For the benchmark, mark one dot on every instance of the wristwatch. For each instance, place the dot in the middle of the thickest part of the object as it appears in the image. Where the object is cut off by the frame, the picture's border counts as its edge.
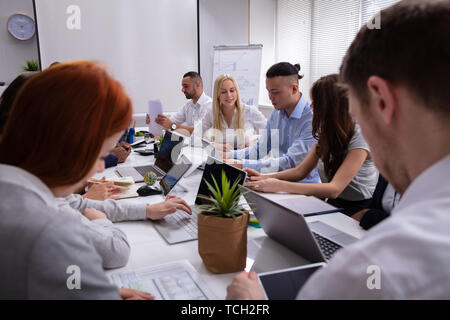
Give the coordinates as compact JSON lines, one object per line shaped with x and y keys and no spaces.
{"x":173,"y":127}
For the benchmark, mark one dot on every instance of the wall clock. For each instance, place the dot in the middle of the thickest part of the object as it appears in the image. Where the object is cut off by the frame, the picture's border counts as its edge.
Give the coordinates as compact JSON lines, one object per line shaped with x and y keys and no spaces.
{"x":21,"y":26}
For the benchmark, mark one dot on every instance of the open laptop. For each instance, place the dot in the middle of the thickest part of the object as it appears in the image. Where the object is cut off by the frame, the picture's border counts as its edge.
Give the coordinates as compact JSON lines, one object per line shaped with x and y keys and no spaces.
{"x":181,"y":227}
{"x":170,"y":150}
{"x":315,"y":241}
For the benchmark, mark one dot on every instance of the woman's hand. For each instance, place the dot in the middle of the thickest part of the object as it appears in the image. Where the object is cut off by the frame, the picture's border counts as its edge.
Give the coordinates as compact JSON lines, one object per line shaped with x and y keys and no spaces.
{"x":265,"y":185}
{"x":101,"y":191}
{"x":252,"y":172}
{"x":170,"y":205}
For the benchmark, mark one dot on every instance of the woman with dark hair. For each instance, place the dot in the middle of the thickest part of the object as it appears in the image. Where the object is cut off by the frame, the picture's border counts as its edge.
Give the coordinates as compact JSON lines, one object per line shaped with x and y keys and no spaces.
{"x":76,"y":111}
{"x":7,"y":97}
{"x":341,"y":155}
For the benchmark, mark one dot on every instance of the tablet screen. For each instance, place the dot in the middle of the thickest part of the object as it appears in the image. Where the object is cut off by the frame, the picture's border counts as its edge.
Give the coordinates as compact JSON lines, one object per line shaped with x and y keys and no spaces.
{"x":285,"y":284}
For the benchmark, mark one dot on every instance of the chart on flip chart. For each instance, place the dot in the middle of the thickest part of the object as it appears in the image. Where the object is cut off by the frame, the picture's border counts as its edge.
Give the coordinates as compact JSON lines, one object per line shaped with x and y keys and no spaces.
{"x":243,"y":62}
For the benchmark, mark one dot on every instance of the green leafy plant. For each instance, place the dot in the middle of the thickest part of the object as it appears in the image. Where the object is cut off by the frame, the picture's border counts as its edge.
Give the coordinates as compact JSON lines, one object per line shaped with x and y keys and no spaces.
{"x":160,"y":139}
{"x":224,"y":201}
{"x":31,"y":65}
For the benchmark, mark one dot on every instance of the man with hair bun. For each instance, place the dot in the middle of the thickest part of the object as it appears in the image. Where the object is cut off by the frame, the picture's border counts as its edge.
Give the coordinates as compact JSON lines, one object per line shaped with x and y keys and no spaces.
{"x":288,"y":132}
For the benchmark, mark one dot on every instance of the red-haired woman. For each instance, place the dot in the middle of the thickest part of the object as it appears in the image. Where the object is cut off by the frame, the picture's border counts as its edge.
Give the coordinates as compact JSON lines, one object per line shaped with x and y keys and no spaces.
{"x":341,"y":155}
{"x":74,"y":111}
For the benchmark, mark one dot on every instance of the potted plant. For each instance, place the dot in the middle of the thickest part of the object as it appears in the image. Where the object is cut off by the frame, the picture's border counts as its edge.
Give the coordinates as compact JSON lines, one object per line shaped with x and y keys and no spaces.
{"x":222,"y":228}
{"x":31,"y":65}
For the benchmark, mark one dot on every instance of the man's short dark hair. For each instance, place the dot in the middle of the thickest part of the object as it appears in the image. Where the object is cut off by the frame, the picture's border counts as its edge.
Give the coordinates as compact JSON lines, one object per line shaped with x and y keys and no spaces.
{"x":412,"y":48}
{"x":284,"y":69}
{"x":195,"y":76}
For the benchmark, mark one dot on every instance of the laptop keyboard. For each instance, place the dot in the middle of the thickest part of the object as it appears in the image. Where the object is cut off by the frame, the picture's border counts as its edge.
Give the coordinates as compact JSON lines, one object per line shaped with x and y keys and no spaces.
{"x":143,"y":170}
{"x":188,"y":223}
{"x":328,"y":247}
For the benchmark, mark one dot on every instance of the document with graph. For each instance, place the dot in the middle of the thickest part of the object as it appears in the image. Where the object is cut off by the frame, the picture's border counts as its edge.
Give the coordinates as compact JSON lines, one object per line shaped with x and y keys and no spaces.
{"x":171,"y":281}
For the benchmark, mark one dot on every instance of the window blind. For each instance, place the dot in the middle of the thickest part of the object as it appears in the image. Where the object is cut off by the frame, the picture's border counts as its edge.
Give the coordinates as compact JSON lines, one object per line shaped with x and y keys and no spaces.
{"x":293,"y":35}
{"x":334,"y":26}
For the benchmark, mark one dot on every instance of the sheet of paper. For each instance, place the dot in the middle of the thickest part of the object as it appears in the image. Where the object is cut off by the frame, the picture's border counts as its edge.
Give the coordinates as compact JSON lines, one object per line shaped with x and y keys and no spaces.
{"x":154,"y":108}
{"x":171,"y":281}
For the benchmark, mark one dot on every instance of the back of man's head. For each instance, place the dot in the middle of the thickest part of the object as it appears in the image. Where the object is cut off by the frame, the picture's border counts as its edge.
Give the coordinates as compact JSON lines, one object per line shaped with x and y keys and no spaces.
{"x":285,"y":69}
{"x":411,"y":49}
{"x":194,"y":76}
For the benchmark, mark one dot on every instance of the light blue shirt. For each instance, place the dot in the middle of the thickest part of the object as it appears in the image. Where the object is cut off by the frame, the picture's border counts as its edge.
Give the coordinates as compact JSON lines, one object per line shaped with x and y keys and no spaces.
{"x":289,"y":138}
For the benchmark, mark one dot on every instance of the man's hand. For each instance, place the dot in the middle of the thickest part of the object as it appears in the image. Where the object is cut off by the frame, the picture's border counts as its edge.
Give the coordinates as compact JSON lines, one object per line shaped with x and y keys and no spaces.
{"x":234,"y":163}
{"x":360,"y":214}
{"x":121,"y":153}
{"x":245,"y":286}
{"x":94,"y":214}
{"x":101,"y":191}
{"x":147,"y":119}
{"x":265,"y":185}
{"x":125,"y":145}
{"x":225,"y":147}
{"x":132,"y":294}
{"x":164,"y":121}
{"x":170,"y":205}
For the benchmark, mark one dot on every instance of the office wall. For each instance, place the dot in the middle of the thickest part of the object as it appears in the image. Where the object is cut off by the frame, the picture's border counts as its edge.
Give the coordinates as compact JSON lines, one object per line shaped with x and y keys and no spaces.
{"x":221,"y":22}
{"x":262,"y":30}
{"x":14,"y":53}
{"x":226,"y":22}
{"x":146,"y":44}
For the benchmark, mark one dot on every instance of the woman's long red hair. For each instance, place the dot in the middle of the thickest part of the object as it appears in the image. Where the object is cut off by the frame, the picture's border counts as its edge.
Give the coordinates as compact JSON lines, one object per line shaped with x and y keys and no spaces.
{"x":60,"y":120}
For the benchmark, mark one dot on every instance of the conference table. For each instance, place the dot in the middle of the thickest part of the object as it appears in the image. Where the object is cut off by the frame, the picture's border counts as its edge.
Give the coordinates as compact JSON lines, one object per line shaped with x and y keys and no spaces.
{"x":148,"y":248}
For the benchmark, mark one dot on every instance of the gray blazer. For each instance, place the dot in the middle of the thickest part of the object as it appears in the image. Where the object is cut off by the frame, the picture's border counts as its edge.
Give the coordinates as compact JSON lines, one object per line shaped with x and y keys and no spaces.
{"x":41,"y":243}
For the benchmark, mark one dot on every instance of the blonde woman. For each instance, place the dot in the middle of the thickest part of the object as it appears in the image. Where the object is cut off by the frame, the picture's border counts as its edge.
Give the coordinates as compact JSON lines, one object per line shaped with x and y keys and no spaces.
{"x":231,"y":122}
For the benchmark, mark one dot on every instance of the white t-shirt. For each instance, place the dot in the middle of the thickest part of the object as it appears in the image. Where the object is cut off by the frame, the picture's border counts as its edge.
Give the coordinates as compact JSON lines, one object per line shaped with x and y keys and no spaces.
{"x":364,"y":182}
{"x":253,"y":121}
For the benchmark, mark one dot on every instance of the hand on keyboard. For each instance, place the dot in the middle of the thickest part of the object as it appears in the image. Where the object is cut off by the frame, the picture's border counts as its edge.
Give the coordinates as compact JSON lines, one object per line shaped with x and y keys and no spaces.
{"x":170,"y":205}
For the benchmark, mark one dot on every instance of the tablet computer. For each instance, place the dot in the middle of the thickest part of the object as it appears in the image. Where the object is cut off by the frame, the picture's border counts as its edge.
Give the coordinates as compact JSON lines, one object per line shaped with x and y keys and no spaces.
{"x":285,"y":284}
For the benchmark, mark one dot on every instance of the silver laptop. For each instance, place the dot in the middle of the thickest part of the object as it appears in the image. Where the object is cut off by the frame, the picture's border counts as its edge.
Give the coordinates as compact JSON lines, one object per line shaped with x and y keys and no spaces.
{"x":170,"y":149}
{"x":315,"y":241}
{"x":180,"y":226}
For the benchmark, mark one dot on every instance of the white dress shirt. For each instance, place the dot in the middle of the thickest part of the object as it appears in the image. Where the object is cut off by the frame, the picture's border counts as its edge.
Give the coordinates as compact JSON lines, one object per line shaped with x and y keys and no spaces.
{"x":191,"y":112}
{"x":253,"y":121}
{"x":411,"y":249}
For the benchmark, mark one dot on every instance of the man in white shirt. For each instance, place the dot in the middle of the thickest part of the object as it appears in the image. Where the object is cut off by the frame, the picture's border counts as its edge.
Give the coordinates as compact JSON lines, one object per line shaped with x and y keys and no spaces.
{"x":192,"y":112}
{"x":403,"y":107}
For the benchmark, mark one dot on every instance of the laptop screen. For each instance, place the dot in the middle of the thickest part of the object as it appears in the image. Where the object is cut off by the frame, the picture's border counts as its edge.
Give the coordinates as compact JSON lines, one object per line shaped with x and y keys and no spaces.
{"x":170,"y":150}
{"x":213,"y":168}
{"x":174,"y":175}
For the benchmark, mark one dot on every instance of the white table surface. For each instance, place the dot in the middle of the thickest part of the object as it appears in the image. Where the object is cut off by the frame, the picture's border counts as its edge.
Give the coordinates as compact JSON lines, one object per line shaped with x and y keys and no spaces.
{"x":148,"y":248}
